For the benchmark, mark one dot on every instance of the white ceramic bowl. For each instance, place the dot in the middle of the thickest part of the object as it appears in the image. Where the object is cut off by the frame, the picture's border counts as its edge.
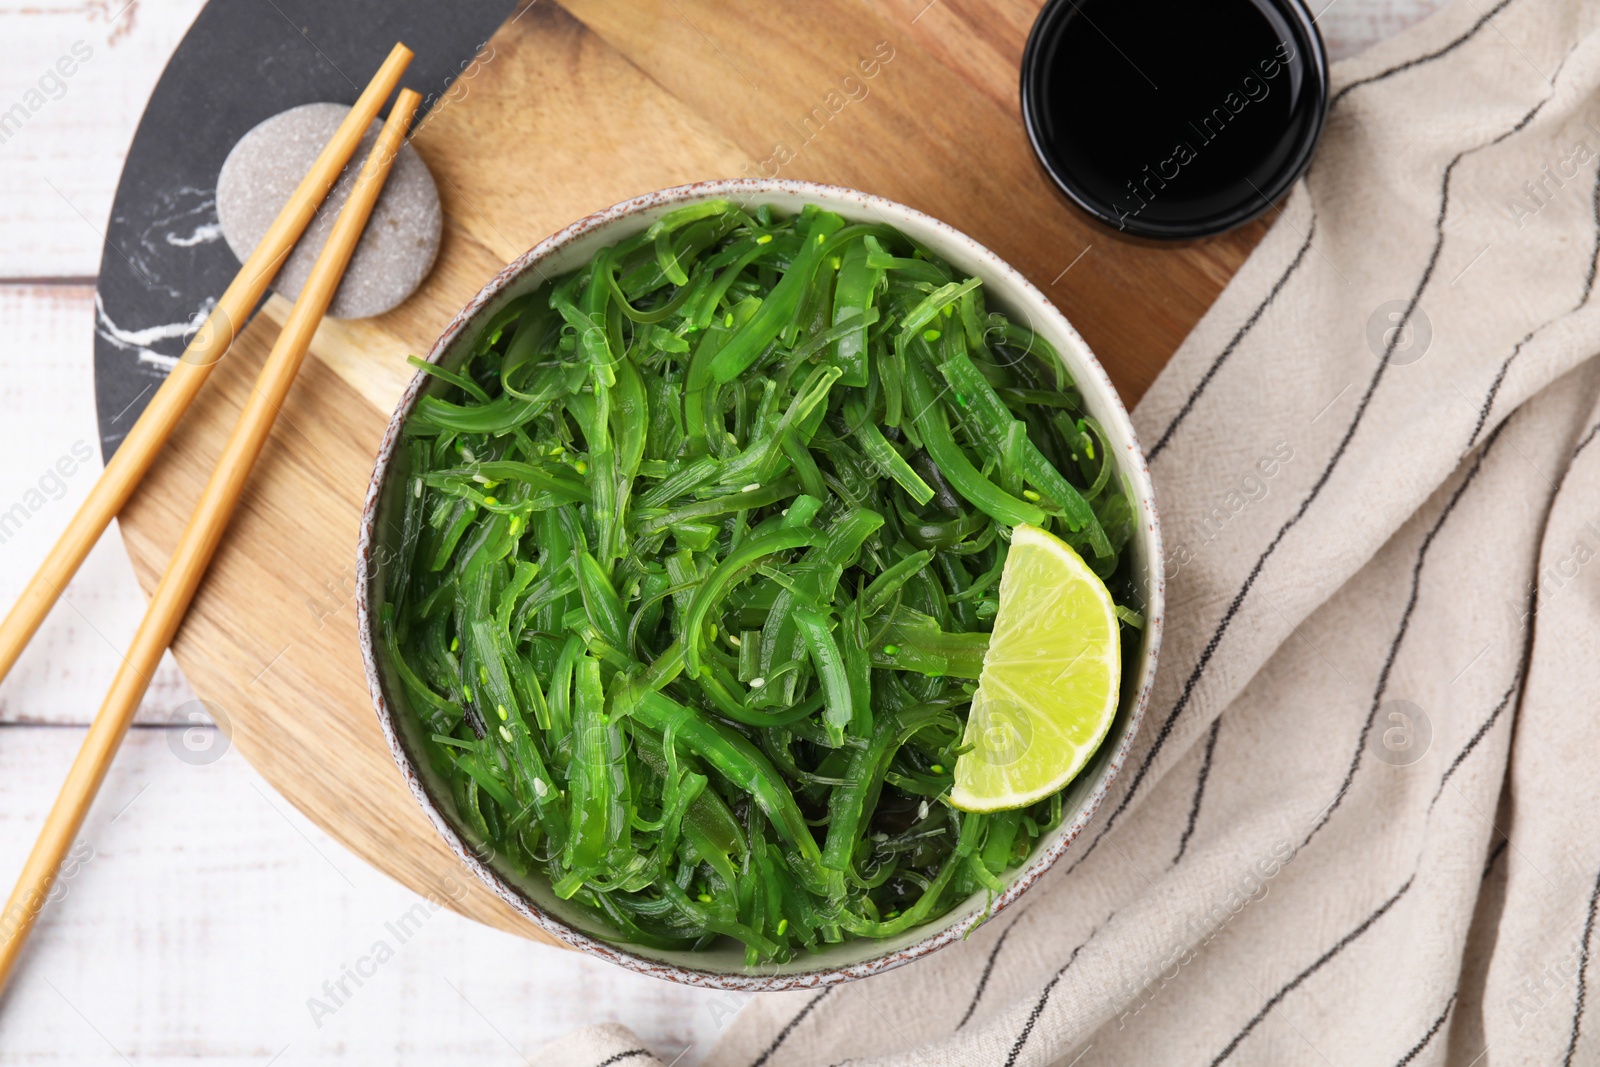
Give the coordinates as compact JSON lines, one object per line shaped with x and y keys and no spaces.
{"x":723,"y":966}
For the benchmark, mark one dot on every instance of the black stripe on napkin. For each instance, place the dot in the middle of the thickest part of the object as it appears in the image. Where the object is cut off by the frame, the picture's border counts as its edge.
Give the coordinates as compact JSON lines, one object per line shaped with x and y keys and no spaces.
{"x":1339,"y":946}
{"x":1488,"y":724}
{"x":1427,"y":57}
{"x":1400,"y":634}
{"x":1416,"y":1049}
{"x":1588,"y":291}
{"x":1199,"y":788}
{"x":631,"y":1054}
{"x":783,"y":1035}
{"x":1222,"y":357}
{"x":1044,"y":997}
{"x":1583,"y":975}
{"x":988,"y":969}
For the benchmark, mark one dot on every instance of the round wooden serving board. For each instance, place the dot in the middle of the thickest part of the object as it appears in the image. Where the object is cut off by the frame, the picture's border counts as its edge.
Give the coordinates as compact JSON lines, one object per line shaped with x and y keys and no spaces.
{"x":572,"y":107}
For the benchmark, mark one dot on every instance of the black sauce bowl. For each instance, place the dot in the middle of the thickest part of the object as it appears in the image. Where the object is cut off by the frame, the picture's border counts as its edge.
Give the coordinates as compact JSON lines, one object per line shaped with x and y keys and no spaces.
{"x":1097,"y":149}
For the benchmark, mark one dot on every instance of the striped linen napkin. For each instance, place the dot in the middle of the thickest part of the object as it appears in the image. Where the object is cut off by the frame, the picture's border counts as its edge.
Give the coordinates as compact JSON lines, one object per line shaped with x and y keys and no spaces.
{"x":1362,"y":822}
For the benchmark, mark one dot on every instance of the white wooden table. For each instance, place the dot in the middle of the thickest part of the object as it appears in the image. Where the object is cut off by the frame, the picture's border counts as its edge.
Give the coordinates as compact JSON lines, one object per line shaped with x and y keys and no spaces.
{"x":204,"y":918}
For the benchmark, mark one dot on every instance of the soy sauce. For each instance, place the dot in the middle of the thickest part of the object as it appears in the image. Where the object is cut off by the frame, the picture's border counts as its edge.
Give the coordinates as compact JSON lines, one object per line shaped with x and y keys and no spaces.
{"x":1174,"y":118}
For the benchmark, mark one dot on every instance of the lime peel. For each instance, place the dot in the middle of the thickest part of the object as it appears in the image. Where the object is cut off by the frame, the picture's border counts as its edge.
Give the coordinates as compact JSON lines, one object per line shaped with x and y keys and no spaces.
{"x":1048,"y":691}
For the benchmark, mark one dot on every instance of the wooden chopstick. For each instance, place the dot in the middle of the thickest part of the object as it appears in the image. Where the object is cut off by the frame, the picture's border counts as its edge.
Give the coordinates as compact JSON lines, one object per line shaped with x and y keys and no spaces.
{"x":200,"y":538}
{"x":138,"y":450}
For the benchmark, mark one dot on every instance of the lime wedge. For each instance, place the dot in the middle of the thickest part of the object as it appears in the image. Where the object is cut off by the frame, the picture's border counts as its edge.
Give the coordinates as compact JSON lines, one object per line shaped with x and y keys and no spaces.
{"x":1048,"y":691}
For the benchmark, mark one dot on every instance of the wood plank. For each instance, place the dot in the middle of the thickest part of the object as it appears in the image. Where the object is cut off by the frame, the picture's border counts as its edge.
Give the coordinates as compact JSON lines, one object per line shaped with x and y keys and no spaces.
{"x":49,"y":433}
{"x":1349,"y":29}
{"x":64,"y":150}
{"x":202,"y":914}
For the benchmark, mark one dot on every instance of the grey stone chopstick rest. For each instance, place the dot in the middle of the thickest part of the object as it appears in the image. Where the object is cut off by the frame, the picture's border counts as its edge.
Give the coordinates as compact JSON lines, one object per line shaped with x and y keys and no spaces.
{"x":402,"y":238}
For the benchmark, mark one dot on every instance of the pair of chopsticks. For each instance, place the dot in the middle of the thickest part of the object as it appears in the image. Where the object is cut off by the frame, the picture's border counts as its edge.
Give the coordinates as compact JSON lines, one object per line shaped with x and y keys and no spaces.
{"x":204,"y":531}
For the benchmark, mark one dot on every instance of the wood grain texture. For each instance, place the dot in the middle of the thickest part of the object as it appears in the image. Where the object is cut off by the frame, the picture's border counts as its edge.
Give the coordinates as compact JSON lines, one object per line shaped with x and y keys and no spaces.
{"x":270,"y":641}
{"x":569,"y":110}
{"x":926,"y":135}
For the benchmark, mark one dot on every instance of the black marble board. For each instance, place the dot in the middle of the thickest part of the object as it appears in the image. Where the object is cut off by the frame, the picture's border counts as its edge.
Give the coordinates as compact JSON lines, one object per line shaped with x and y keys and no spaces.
{"x":164,"y":262}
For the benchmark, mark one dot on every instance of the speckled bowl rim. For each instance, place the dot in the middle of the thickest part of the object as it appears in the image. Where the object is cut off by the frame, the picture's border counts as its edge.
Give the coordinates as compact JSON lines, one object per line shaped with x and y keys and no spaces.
{"x":1133,"y":467}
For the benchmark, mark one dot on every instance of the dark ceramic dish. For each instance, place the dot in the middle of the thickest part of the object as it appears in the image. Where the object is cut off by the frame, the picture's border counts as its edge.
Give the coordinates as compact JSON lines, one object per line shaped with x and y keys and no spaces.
{"x":1172,"y":119}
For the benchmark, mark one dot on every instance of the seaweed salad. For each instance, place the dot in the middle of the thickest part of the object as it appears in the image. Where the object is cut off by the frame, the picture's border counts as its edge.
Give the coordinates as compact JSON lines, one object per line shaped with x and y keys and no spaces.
{"x":698,"y":561}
